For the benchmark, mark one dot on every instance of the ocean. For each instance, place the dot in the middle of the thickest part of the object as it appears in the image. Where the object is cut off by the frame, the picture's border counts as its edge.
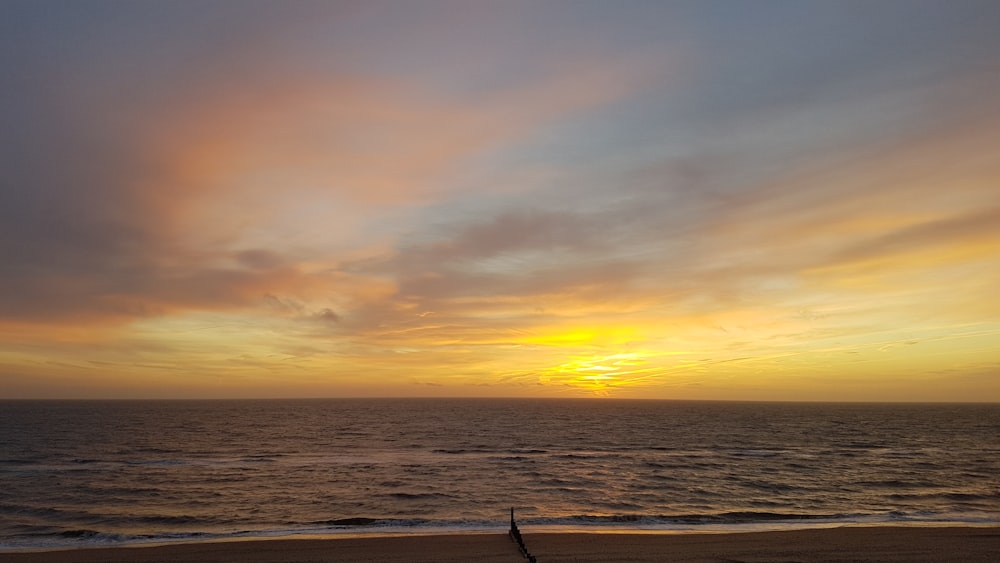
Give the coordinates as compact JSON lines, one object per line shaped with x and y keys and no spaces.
{"x":85,"y":473}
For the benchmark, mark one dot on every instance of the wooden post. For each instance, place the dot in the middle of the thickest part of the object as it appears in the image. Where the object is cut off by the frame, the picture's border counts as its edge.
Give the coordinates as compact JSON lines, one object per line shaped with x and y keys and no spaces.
{"x":515,"y":535}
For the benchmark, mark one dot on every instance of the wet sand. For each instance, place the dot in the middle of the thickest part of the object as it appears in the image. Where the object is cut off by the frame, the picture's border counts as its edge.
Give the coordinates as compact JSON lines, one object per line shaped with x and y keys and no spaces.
{"x":884,"y":544}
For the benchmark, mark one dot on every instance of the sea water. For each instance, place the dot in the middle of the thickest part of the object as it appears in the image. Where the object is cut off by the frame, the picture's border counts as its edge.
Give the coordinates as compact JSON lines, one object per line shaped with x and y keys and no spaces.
{"x":76,"y":473}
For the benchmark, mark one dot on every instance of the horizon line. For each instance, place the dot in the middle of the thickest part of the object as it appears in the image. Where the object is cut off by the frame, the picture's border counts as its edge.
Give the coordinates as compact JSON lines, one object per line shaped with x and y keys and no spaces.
{"x":475,"y":398}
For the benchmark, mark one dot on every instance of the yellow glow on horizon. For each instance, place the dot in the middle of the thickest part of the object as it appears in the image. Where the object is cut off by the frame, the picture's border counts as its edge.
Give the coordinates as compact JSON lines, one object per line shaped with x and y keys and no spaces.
{"x":599,"y":374}
{"x":580,"y":336}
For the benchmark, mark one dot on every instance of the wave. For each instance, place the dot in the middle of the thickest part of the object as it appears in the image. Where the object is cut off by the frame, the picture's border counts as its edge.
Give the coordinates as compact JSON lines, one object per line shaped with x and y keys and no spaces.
{"x":950,"y":496}
{"x":419,"y":496}
{"x":349,"y":522}
{"x":79,"y":533}
{"x":511,"y":451}
{"x":687,"y":519}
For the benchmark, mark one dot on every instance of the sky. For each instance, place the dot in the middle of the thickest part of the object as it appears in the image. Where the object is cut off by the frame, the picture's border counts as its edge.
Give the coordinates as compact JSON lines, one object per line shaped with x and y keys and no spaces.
{"x":719,"y":200}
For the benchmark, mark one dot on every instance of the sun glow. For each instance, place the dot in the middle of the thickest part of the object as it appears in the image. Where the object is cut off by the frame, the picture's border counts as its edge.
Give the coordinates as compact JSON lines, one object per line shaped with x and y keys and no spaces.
{"x":582,"y":336}
{"x":599,"y":374}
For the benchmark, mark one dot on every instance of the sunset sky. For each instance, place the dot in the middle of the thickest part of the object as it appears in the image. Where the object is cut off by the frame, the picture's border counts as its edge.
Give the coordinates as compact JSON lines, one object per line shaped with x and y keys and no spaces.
{"x":683,"y":200}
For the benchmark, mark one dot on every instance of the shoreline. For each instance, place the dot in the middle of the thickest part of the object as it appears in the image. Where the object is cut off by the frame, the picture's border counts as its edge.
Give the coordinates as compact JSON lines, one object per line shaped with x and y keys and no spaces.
{"x":365,"y":532}
{"x":971,"y":543}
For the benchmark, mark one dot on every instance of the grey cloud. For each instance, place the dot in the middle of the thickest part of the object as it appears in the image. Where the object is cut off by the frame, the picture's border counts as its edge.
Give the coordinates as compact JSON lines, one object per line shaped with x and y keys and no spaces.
{"x":260,"y":259}
{"x":326,"y":316}
{"x":925,"y":236}
{"x":484,"y":279}
{"x":508,"y":233}
{"x":283,"y":304}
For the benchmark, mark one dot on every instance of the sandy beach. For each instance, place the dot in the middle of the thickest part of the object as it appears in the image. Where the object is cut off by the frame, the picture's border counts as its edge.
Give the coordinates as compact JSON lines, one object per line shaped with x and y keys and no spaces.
{"x":967,"y":544}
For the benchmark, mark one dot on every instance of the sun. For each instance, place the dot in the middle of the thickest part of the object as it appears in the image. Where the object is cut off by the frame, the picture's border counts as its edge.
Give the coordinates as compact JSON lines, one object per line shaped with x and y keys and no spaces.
{"x":599,"y":374}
